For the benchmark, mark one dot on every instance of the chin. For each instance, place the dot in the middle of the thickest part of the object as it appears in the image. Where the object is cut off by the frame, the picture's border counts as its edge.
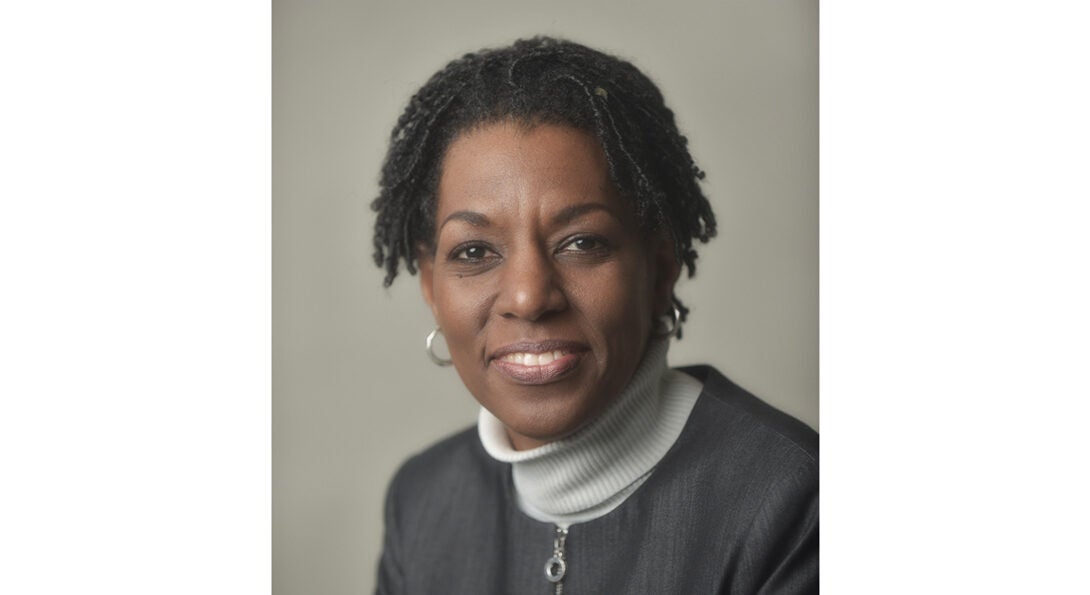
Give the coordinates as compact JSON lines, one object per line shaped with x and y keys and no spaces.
{"x":531,"y":423}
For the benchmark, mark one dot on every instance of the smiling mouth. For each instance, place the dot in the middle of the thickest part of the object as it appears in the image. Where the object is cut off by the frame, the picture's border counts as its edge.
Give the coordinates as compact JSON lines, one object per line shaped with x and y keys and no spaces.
{"x":524,"y":358}
{"x":538,"y":363}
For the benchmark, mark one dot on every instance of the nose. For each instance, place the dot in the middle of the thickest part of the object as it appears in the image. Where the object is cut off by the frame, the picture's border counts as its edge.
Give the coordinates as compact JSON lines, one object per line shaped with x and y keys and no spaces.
{"x":530,"y":287}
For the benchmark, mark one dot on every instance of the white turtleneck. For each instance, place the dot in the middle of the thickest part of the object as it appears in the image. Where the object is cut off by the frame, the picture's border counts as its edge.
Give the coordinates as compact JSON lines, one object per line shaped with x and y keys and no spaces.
{"x":591,"y":472}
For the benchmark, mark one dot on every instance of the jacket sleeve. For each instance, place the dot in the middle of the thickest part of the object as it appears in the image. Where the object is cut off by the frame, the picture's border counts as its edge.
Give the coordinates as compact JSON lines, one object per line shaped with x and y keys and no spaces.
{"x":780,"y":555}
{"x":390,"y":580}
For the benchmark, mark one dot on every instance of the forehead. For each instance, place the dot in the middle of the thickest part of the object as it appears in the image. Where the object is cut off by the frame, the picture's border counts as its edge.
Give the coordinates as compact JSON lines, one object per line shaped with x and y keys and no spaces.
{"x":507,"y":166}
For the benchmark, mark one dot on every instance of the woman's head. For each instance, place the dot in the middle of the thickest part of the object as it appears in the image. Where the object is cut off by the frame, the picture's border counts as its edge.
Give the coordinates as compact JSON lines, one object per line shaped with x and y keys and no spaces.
{"x":541,"y":81}
{"x":550,"y":202}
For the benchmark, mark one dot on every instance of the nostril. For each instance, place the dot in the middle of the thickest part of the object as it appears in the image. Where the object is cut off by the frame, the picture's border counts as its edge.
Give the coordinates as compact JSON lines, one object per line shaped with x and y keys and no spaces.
{"x":534,"y":299}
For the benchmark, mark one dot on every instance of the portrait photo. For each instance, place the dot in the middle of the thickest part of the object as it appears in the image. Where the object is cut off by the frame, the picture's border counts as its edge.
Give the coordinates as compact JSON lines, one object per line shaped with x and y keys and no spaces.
{"x":357,"y":385}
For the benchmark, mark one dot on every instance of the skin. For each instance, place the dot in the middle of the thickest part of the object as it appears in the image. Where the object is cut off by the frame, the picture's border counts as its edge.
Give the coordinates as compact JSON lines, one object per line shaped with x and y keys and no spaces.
{"x":534,"y":243}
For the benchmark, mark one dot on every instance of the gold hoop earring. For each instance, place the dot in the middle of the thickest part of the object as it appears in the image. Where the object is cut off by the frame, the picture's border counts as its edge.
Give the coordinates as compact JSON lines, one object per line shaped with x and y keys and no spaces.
{"x":431,"y":354}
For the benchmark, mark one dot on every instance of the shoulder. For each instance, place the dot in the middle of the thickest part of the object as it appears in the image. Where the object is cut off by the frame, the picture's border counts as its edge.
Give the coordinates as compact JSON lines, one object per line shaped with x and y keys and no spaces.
{"x":731,"y":417}
{"x":755,"y":469}
{"x":452,"y":476}
{"x":737,"y":454}
{"x":446,"y":463}
{"x":439,"y":500}
{"x":433,"y":506}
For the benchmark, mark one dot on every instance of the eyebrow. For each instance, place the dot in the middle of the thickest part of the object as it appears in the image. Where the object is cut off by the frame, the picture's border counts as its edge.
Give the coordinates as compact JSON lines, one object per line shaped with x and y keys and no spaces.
{"x":574,"y":212}
{"x":471,"y":217}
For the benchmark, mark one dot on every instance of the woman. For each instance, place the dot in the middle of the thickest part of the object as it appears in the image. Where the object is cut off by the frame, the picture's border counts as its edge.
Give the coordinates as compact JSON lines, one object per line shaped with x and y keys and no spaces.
{"x":549,"y":203}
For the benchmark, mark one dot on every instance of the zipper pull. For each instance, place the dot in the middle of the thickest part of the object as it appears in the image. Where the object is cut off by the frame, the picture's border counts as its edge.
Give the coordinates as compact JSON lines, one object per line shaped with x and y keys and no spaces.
{"x":556,"y":567}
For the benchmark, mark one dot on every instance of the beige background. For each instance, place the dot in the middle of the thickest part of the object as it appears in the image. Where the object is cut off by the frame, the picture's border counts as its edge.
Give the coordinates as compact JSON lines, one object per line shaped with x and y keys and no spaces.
{"x":353,"y":393}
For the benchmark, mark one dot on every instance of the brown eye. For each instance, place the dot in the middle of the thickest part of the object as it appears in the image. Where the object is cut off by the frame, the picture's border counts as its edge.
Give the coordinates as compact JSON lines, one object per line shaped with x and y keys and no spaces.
{"x":471,"y":252}
{"x":584,"y":244}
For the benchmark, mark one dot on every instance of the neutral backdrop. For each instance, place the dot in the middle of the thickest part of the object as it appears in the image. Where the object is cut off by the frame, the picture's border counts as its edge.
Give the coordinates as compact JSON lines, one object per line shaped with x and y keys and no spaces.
{"x":353,"y":393}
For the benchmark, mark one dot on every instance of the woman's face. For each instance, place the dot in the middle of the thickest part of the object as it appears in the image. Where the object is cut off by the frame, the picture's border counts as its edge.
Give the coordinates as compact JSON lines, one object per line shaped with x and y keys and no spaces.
{"x":542,"y":282}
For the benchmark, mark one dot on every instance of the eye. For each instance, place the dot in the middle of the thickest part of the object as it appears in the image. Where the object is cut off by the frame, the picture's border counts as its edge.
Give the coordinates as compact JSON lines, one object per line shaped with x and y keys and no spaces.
{"x":470,"y":253}
{"x":584,"y":244}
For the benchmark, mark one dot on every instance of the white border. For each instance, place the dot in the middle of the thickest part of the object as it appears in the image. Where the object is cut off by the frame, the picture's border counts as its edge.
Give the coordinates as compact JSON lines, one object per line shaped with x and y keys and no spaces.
{"x":954,"y":297}
{"x":134,"y":314}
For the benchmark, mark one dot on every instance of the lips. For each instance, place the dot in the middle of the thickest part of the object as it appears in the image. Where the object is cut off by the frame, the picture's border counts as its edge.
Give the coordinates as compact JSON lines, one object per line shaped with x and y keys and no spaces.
{"x":533,"y":359}
{"x":539,"y":362}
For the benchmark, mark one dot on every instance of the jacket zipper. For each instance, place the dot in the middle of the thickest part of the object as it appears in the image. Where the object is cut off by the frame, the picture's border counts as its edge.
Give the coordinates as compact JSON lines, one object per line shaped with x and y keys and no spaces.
{"x":556,"y":567}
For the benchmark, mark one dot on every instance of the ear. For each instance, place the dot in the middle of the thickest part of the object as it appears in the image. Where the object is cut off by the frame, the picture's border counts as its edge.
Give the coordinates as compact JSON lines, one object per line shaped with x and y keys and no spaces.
{"x":667,"y":269}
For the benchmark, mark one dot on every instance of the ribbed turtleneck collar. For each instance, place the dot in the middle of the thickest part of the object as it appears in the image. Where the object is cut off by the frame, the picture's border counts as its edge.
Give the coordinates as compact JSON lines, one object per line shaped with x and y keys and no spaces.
{"x":593,"y":470}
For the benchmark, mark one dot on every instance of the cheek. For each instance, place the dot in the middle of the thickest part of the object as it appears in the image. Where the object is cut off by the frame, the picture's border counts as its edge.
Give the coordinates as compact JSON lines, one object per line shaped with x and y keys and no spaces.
{"x":617,"y":301}
{"x":461,"y":307}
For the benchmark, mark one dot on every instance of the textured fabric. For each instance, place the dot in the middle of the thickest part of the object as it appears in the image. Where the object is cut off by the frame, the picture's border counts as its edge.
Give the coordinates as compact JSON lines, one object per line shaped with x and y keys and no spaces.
{"x":591,"y":472}
{"x":731,"y":508}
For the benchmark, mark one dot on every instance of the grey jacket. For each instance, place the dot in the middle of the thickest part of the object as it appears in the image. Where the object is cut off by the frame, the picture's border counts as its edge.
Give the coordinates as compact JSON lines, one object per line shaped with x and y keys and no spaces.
{"x":731,"y":508}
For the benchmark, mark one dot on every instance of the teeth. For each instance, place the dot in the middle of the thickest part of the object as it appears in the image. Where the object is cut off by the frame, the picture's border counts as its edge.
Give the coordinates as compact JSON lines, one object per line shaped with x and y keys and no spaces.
{"x":534,"y":359}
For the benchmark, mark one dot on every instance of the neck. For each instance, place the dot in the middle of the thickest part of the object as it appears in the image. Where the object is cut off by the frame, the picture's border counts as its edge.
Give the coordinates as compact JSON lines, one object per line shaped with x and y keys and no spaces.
{"x":594,"y":469}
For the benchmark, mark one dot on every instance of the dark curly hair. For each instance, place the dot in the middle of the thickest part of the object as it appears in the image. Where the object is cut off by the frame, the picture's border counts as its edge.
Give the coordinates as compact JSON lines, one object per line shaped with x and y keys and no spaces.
{"x":542,"y":81}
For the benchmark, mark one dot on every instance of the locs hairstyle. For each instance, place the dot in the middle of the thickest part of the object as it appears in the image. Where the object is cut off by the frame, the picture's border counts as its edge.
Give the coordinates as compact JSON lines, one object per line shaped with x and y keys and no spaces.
{"x":542,"y":81}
